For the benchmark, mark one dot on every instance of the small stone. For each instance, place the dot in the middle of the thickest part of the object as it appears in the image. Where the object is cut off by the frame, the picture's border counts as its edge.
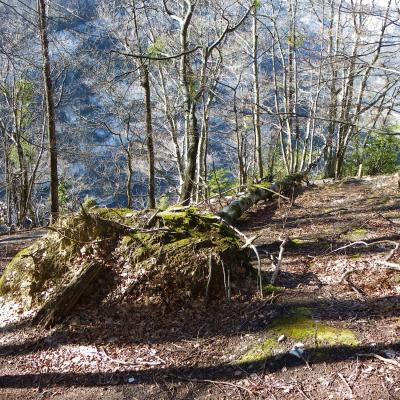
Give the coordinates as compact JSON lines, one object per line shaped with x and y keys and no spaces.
{"x":237,"y":373}
{"x":131,"y":380}
{"x":281,"y":338}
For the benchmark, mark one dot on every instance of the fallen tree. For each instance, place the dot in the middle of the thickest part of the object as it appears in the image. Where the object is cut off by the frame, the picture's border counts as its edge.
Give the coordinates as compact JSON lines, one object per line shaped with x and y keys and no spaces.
{"x":255,"y":193}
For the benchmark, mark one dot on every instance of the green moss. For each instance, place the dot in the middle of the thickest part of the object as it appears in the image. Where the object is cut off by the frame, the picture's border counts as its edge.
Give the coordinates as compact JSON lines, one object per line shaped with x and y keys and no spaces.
{"x":296,"y":242}
{"x":392,"y":214}
{"x":259,"y":352}
{"x":269,"y":289}
{"x":16,"y":271}
{"x":357,"y":234}
{"x":300,"y":326}
{"x":355,"y":256}
{"x":396,"y":279}
{"x":173,"y":254}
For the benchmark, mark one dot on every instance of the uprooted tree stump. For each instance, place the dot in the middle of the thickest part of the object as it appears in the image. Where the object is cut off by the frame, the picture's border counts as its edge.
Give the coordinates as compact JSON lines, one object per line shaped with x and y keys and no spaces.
{"x":169,"y":257}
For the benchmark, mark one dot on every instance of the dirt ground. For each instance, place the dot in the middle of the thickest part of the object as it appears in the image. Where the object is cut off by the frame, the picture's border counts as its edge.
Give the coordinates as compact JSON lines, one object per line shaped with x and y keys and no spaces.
{"x":127,"y":351}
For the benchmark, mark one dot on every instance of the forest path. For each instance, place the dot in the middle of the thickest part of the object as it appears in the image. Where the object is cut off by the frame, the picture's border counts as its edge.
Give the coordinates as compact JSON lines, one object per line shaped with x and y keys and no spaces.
{"x":11,"y":244}
{"x":127,"y":351}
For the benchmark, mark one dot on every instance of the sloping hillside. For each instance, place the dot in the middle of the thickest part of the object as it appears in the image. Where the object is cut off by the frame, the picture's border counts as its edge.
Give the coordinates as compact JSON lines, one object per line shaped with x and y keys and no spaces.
{"x":328,"y":329}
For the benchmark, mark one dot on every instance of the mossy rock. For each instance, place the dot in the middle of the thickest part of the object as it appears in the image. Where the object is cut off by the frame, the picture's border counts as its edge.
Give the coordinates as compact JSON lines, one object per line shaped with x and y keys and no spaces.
{"x":18,"y":272}
{"x":167,"y":255}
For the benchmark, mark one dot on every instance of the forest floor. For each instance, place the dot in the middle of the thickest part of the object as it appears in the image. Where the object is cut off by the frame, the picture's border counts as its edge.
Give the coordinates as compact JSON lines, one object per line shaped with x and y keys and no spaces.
{"x":126,"y":351}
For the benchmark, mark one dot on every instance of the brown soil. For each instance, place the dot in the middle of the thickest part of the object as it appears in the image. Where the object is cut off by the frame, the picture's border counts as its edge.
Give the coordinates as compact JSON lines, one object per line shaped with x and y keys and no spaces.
{"x":126,"y":351}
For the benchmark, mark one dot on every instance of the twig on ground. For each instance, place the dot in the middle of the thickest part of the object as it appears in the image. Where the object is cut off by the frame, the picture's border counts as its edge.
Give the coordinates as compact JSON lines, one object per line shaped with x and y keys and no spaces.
{"x":301,"y":391}
{"x":386,"y":390}
{"x":346,"y":278}
{"x":378,"y":357}
{"x":218,"y":383}
{"x":151,"y":219}
{"x":132,"y":364}
{"x":388,"y":265}
{"x":365,"y":244}
{"x":209,"y":276}
{"x":346,"y":383}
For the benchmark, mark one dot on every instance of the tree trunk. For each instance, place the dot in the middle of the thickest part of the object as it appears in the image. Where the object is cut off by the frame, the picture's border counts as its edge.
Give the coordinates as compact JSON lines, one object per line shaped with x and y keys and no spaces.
{"x":256,"y":107}
{"x":50,"y":111}
{"x":7,"y":179}
{"x":150,"y":141}
{"x":191,"y":158}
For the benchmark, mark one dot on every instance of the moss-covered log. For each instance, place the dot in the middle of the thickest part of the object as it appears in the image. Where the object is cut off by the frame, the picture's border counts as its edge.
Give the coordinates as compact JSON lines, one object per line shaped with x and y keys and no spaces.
{"x":64,"y":301}
{"x":233,"y":211}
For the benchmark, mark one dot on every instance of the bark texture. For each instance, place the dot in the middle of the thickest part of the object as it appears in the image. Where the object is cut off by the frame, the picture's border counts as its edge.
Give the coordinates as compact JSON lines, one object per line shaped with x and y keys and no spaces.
{"x":233,"y":211}
{"x":59,"y":306}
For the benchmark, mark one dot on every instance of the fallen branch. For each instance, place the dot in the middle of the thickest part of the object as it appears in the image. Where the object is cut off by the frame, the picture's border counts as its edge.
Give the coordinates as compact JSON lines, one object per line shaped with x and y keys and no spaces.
{"x":233,"y":211}
{"x":273,"y":192}
{"x":132,"y":364}
{"x":248,"y":243}
{"x":365,"y":244}
{"x":217,"y":383}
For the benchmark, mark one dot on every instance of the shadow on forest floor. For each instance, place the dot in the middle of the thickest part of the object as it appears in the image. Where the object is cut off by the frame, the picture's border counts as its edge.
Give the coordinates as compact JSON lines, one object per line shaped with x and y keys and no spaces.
{"x":327,"y":354}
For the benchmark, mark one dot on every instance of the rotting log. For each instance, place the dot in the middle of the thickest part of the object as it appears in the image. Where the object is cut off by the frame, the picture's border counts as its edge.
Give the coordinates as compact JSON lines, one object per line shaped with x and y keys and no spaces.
{"x":234,"y":210}
{"x":63,"y":302}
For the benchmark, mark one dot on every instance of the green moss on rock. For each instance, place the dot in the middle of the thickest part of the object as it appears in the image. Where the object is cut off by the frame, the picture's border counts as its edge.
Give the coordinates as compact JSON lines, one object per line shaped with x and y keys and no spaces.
{"x":17,"y":271}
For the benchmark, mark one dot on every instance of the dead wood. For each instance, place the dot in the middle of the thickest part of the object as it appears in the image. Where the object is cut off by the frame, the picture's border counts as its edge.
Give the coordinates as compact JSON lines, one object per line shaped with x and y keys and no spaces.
{"x":233,"y":211}
{"x":279,"y":261}
{"x":63,"y":302}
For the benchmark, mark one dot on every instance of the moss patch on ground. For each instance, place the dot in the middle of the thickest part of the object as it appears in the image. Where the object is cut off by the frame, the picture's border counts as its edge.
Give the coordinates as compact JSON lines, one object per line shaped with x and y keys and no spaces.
{"x":270,"y":289}
{"x":298,"y":326}
{"x":357,"y":234}
{"x":260,"y":351}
